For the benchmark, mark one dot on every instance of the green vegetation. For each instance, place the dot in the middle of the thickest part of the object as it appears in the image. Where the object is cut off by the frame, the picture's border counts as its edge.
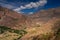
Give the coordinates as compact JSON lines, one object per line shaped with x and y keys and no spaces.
{"x":57,"y":35}
{"x":57,"y":28}
{"x":4,"y":29}
{"x":0,"y":17}
{"x":15,"y":19}
{"x":38,"y":25}
{"x":58,"y":32}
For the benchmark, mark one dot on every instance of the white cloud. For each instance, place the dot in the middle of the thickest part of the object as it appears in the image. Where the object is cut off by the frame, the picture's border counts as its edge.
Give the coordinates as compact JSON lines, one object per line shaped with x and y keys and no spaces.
{"x":30,"y":12}
{"x":22,"y":7}
{"x":28,"y":6}
{"x":32,"y":5}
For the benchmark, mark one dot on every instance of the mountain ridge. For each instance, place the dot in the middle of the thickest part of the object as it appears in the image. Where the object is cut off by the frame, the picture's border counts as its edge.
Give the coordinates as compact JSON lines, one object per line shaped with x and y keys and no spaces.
{"x":8,"y":16}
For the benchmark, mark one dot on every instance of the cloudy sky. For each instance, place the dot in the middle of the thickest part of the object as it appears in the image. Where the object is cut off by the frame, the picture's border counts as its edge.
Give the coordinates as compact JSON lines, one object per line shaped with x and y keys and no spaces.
{"x":29,"y":6}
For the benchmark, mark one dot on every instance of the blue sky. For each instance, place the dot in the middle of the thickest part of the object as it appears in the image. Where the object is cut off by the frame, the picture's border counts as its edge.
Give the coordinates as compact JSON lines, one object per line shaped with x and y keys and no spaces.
{"x":29,"y":6}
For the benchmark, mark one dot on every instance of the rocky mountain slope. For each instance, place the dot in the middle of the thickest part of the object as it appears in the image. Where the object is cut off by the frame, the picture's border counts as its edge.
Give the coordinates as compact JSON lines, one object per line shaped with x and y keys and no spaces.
{"x":14,"y":19}
{"x":10,"y":18}
{"x":42,"y":22}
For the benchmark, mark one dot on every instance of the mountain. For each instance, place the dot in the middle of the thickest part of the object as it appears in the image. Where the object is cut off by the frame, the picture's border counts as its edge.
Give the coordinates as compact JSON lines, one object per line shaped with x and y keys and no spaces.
{"x":44,"y":16}
{"x":44,"y":23}
{"x":13,"y":19}
{"x":41,"y":22}
{"x":10,"y":18}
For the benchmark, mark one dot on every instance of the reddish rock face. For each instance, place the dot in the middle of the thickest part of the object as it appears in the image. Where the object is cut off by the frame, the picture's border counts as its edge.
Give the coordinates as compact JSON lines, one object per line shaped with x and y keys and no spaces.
{"x":16,"y":20}
{"x":11,"y":19}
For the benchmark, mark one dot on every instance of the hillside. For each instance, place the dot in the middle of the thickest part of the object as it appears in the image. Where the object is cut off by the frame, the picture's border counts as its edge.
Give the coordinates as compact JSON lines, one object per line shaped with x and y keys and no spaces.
{"x":10,"y":18}
{"x":45,"y":23}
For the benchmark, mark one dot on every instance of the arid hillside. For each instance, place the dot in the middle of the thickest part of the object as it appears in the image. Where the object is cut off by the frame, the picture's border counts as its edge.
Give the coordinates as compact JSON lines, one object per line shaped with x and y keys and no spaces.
{"x":11,"y":19}
{"x":17,"y":20}
{"x":45,"y":25}
{"x":42,"y":22}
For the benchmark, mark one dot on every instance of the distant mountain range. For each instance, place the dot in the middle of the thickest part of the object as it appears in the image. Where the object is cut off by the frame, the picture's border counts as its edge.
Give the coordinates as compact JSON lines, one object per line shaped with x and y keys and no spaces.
{"x":16,"y":20}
